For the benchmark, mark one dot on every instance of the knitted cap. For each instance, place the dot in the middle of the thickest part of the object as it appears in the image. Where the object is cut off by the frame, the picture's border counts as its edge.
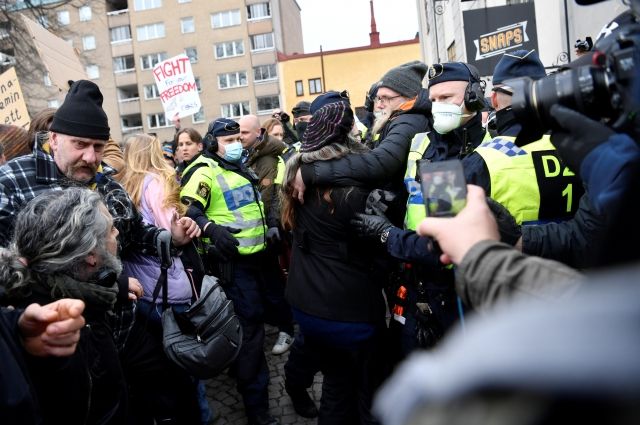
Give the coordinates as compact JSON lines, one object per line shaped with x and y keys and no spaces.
{"x":223,"y":127}
{"x":405,"y":79}
{"x":301,"y":109}
{"x":519,"y":63}
{"x":81,"y":114}
{"x":451,"y":71}
{"x":329,"y":97}
{"x":331,"y":123}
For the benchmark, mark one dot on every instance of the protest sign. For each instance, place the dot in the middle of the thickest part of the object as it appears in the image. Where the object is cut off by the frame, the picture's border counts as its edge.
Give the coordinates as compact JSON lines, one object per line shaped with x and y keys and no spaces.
{"x":13,"y":109}
{"x":59,"y":57}
{"x":177,"y":87}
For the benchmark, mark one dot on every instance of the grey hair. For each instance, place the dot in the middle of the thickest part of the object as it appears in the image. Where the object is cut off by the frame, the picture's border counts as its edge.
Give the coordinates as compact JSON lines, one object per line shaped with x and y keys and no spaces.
{"x":54,"y":233}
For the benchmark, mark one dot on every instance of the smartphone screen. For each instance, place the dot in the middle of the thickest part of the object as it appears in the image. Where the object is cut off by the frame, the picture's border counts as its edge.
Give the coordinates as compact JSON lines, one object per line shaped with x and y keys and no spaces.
{"x":444,"y":188}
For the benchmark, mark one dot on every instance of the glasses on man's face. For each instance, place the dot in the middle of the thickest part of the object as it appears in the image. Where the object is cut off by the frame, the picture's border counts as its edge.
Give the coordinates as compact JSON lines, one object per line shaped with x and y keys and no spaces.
{"x":386,"y":99}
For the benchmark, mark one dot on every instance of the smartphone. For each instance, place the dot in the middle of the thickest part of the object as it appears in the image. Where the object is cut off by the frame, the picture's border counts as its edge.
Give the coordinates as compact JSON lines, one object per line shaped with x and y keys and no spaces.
{"x":444,"y":188}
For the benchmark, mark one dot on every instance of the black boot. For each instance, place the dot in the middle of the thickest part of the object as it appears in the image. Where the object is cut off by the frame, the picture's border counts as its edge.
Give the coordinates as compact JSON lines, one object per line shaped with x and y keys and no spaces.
{"x":302,"y":403}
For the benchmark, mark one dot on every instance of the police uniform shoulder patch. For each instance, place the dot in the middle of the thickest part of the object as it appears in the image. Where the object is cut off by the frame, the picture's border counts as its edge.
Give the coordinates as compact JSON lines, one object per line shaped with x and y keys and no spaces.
{"x":203,"y":190}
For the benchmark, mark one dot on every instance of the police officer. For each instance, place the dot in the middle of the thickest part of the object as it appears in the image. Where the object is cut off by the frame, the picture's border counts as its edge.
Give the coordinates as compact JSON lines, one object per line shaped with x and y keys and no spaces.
{"x":424,"y":300}
{"x":224,"y":200}
{"x":531,"y":181}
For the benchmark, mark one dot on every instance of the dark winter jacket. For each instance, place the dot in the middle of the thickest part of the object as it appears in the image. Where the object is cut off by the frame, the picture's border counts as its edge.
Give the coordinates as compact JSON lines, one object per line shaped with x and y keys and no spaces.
{"x":387,"y":162}
{"x":574,"y":242}
{"x":87,"y":387}
{"x":331,"y":274}
{"x":263,"y":160}
{"x":18,"y":402}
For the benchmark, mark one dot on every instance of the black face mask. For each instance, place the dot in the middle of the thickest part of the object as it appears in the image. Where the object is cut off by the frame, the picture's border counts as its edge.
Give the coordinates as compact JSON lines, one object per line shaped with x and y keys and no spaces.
{"x":505,"y":118}
{"x":300,"y":127}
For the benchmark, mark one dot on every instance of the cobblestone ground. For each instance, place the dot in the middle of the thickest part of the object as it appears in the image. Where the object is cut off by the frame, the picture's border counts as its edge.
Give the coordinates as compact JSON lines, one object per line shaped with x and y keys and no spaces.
{"x":227,"y":403}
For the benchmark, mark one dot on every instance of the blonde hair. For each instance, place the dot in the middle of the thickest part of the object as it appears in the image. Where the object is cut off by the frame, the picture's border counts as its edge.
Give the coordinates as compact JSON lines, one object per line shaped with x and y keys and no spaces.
{"x":143,"y":155}
{"x":270,"y":123}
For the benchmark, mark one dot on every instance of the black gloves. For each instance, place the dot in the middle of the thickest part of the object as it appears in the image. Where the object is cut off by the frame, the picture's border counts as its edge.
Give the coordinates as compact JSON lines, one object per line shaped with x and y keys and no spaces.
{"x":163,"y":247}
{"x":223,"y":245}
{"x":509,"y":230}
{"x":371,"y":226}
{"x":578,"y":135}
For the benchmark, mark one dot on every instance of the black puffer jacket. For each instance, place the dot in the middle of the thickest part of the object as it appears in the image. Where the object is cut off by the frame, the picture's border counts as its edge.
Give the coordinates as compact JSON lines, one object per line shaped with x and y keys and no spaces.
{"x":386,"y":163}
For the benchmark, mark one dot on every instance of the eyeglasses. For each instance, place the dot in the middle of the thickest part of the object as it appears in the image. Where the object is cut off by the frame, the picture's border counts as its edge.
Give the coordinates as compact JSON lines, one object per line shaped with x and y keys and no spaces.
{"x":385,"y":99}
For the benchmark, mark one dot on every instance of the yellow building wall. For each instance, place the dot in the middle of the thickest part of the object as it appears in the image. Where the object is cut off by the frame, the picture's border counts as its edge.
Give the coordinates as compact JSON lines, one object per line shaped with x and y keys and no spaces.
{"x":354,"y":71}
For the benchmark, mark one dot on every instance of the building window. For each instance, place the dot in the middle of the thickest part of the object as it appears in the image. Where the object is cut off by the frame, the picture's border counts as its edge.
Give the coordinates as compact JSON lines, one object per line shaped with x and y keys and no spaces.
{"x":119,"y":34}
{"x":5,"y":29}
{"x":187,"y":25}
{"x":184,"y":1}
{"x":53,"y":103}
{"x":151,"y":92}
{"x":84,"y":13}
{"x":267,"y":104}
{"x":92,"y":71}
{"x":192,"y":54}
{"x":258,"y":11}
{"x":149,"y":61}
{"x":64,"y":17}
{"x":451,"y":51}
{"x":262,"y":41}
{"x":124,"y":63}
{"x":234,"y":110}
{"x":232,"y":79}
{"x":147,"y":4}
{"x":229,"y":49}
{"x":47,"y":80}
{"x":149,"y":32}
{"x":198,"y":117}
{"x":156,"y":120}
{"x":299,"y":88}
{"x":315,"y":86}
{"x":265,"y":73}
{"x":88,"y":42}
{"x":225,"y":19}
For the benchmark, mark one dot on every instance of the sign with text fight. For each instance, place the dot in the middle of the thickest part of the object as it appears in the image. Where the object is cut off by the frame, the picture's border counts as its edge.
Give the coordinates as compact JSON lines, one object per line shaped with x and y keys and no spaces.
{"x":177,"y":87}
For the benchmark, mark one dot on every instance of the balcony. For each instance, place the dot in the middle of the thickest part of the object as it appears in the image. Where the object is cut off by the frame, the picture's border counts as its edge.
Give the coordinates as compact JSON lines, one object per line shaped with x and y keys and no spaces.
{"x":129,"y":106}
{"x":125,"y":78}
{"x":118,"y":18}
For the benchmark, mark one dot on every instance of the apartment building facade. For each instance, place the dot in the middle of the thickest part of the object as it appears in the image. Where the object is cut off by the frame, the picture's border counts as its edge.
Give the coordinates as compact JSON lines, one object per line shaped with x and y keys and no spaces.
{"x":231,"y":44}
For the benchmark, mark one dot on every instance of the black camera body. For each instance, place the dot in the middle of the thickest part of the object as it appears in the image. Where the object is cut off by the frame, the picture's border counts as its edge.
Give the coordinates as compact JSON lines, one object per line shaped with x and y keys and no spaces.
{"x":601,"y":90}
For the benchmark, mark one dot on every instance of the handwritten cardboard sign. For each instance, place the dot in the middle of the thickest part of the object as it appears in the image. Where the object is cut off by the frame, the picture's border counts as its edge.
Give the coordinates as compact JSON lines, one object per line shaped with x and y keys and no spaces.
{"x":13,"y":109}
{"x":177,"y":87}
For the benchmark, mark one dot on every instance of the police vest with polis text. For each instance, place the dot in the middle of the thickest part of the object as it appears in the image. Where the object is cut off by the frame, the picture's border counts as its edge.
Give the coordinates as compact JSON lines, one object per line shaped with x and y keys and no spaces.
{"x":230,"y":199}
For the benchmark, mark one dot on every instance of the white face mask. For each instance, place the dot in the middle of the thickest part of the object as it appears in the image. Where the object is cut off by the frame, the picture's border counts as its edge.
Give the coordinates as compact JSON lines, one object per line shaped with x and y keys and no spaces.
{"x":446,"y":116}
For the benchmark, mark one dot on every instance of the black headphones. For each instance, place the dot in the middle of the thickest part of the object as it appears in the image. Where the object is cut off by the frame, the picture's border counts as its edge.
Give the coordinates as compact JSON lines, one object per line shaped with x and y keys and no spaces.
{"x":474,"y":93}
{"x":210,"y":143}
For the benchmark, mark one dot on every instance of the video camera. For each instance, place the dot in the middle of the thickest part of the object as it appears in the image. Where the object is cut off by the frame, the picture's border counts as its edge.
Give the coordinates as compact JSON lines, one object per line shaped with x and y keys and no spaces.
{"x":601,"y":90}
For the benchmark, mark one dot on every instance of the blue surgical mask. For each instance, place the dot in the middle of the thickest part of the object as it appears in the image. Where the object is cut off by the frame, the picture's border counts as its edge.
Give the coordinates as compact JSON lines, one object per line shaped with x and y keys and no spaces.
{"x":233,"y":152}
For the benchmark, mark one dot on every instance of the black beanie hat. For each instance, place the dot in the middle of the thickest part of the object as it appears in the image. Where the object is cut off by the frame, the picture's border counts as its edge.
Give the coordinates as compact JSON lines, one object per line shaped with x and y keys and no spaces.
{"x":301,"y":109}
{"x":327,"y":98}
{"x":405,"y":79}
{"x":81,"y":114}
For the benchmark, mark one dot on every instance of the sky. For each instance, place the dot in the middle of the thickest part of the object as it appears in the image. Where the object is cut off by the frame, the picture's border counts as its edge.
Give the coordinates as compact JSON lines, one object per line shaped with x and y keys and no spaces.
{"x":339,"y":24}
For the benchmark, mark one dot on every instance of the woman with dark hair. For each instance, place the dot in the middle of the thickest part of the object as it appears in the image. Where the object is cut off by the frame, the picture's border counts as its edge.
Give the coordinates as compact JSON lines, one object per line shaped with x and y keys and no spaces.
{"x":333,"y":288}
{"x":189,"y":147}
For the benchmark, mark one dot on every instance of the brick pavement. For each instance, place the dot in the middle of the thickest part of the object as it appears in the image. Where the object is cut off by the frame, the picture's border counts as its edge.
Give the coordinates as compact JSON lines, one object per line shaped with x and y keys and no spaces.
{"x":227,"y":403}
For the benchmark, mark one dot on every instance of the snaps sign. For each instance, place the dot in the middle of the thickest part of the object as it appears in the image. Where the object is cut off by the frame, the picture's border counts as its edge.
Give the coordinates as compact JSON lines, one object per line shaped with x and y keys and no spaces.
{"x":491,"y":32}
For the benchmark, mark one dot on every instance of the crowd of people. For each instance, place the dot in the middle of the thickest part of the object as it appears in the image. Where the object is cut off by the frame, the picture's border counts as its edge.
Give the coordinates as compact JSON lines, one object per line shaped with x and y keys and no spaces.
{"x":317,"y":222}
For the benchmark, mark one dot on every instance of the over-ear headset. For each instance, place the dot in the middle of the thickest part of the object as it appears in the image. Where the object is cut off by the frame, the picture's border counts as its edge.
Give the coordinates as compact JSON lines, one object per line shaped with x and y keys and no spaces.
{"x":210,"y":143}
{"x":474,"y":93}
